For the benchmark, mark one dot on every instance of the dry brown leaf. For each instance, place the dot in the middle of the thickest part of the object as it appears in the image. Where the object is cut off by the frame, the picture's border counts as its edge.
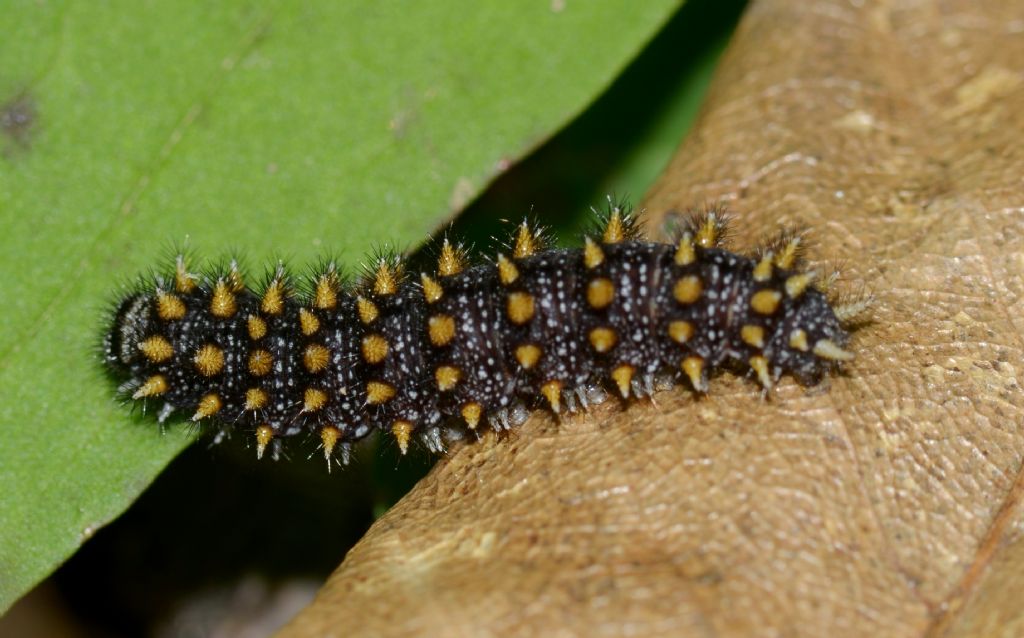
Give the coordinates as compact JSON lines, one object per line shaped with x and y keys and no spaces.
{"x":887,"y":505}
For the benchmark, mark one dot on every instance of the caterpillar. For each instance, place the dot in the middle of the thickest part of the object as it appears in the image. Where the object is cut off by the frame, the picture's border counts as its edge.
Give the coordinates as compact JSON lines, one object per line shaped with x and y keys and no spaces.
{"x":436,"y":356}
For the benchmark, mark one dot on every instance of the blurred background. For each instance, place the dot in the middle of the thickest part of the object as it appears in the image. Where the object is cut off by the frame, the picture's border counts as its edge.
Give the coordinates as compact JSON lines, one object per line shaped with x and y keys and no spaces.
{"x":220,"y":545}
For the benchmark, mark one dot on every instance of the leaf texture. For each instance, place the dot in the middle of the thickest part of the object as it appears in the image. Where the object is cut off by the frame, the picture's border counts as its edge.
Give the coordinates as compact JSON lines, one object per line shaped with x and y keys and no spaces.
{"x":886,"y":504}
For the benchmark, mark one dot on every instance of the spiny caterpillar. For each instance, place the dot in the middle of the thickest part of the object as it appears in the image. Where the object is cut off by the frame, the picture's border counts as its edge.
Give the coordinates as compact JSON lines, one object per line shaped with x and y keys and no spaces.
{"x":473,"y":344}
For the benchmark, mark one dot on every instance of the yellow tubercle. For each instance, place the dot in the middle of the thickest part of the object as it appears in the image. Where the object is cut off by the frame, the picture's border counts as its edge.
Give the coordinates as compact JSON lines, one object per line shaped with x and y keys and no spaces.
{"x":169,"y":307}
{"x":329,"y":436}
{"x":385,"y":279}
{"x":208,"y":406}
{"x":264,"y":434}
{"x":403,"y":432}
{"x":222,"y":302}
{"x":255,"y":399}
{"x":325,"y":296}
{"x":273,"y":298}
{"x":752,"y":335}
{"x":308,"y":322}
{"x":507,"y":271}
{"x":709,"y":234}
{"x":447,"y":377}
{"x":766,"y":302}
{"x":798,"y":340}
{"x":527,"y":355}
{"x":760,"y":366}
{"x":797,"y":284}
{"x":602,"y":339}
{"x":828,"y":349}
{"x":763,"y":269}
{"x":552,"y":391}
{"x":367,"y":310}
{"x":157,"y":349}
{"x":378,"y":392}
{"x":153,"y":386}
{"x":313,"y":399}
{"x":441,"y":330}
{"x":526,"y":242}
{"x":257,"y":327}
{"x":472,"y":412}
{"x":260,"y":362}
{"x":209,"y":360}
{"x":693,"y":367}
{"x":615,"y":230}
{"x":686,"y":254}
{"x":451,"y":261}
{"x":432,"y":291}
{"x":680,"y":331}
{"x":787,"y":256}
{"x":520,"y":307}
{"x":316,"y":357}
{"x":600,"y":292}
{"x":593,"y":256}
{"x":623,"y":377}
{"x":688,"y":289}
{"x":375,"y":348}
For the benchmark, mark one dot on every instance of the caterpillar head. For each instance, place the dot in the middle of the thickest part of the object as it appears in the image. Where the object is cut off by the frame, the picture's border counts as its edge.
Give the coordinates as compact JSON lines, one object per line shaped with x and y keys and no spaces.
{"x":131,"y":323}
{"x":815,"y":338}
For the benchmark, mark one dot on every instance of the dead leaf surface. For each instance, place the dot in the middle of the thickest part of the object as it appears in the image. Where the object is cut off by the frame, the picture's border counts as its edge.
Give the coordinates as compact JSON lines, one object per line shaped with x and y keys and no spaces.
{"x":888,"y":504}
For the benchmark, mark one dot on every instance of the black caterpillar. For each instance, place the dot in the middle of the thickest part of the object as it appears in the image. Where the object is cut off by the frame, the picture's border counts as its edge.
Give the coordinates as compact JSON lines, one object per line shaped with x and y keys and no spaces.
{"x":473,"y":343}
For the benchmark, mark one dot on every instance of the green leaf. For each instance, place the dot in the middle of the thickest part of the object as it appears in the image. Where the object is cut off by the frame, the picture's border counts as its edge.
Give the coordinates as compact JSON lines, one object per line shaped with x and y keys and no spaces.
{"x":280,"y":128}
